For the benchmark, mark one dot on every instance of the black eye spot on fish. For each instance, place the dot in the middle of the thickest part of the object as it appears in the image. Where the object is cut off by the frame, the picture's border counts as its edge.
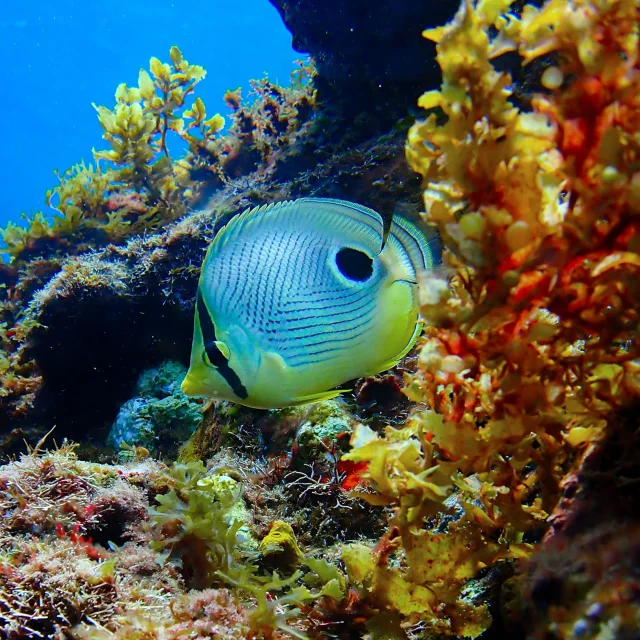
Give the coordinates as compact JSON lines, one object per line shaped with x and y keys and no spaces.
{"x":354,"y":264}
{"x":215,"y":356}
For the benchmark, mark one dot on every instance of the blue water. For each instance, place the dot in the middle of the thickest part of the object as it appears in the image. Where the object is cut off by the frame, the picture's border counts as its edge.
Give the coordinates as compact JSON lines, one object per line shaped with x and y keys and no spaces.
{"x":60,"y":56}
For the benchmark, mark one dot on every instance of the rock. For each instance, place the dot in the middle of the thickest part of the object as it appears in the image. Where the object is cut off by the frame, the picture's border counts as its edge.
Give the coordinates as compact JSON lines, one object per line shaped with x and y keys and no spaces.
{"x":324,"y":425}
{"x":130,"y":427}
{"x":370,"y":56}
{"x":161,"y":416}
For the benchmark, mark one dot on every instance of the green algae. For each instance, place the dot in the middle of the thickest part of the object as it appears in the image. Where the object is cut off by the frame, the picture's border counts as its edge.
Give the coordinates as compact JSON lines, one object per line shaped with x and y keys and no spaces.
{"x":159,"y":414}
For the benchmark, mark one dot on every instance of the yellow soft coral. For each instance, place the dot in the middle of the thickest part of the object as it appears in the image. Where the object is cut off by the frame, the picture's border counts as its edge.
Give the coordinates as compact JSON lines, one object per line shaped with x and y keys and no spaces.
{"x":281,"y":542}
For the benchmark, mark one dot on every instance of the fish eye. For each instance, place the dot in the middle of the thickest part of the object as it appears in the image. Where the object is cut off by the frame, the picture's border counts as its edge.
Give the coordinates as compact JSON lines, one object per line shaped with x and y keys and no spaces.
{"x":354,"y":264}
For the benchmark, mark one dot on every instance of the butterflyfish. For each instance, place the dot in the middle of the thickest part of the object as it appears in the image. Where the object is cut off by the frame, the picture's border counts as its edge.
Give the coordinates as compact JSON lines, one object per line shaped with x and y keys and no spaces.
{"x":298,"y":297}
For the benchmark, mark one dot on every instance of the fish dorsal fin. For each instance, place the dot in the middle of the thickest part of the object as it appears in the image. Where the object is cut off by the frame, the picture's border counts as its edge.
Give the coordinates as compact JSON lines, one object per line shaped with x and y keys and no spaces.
{"x":422,"y":252}
{"x":316,"y":212}
{"x":351,"y":212}
{"x":239,"y":224}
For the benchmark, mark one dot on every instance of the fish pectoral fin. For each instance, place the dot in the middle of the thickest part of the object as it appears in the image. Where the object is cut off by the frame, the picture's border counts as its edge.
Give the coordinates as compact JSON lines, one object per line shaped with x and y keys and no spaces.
{"x":274,"y":363}
{"x":312,"y":398}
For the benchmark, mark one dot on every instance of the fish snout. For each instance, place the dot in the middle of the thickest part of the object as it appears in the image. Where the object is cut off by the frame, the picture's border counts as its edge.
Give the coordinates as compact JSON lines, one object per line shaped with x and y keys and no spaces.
{"x":192,"y":386}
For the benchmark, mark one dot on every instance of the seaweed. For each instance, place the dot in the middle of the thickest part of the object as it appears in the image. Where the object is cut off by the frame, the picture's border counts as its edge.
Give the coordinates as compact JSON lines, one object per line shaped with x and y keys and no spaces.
{"x":532,"y":346}
{"x":135,"y":186}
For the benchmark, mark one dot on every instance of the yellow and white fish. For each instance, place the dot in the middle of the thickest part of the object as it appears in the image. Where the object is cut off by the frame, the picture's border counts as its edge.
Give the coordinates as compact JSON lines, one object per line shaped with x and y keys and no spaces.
{"x":298,"y":297}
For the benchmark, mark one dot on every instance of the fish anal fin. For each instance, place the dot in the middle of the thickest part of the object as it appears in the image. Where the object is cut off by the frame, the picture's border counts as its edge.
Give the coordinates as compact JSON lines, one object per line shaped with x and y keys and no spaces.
{"x":312,"y":398}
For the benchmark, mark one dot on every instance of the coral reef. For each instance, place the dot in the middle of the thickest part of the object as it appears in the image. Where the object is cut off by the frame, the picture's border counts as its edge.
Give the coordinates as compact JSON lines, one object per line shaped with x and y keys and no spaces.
{"x":496,"y":499}
{"x":211,"y":614}
{"x":160,"y":417}
{"x":263,"y":140}
{"x":86,"y":555}
{"x":67,"y":554}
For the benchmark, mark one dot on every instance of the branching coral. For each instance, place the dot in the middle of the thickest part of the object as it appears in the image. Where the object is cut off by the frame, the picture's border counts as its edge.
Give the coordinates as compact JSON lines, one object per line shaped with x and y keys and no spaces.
{"x":535,"y":342}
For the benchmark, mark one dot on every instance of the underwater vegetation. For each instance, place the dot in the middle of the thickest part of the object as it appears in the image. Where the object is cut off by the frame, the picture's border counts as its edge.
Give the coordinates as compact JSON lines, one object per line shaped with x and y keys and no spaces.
{"x":498,"y":500}
{"x":137,"y":185}
{"x":140,"y":187}
{"x":530,"y":354}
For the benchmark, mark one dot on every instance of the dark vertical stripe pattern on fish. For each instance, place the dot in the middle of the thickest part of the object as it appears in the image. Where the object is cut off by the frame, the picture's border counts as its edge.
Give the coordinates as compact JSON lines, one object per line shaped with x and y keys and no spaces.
{"x":216,"y":357}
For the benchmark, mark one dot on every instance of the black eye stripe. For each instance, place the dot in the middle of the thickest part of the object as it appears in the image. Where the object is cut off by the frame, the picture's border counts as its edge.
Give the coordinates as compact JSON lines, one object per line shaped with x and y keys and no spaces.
{"x":216,"y":357}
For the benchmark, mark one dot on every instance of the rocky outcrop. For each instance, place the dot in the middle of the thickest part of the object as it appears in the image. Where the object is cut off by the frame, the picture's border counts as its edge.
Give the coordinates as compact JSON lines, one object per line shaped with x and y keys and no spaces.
{"x":370,"y":54}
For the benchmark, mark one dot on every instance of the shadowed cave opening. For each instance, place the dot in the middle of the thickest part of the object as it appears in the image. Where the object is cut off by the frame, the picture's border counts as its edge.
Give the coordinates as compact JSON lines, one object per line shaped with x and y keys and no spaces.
{"x":93,"y":352}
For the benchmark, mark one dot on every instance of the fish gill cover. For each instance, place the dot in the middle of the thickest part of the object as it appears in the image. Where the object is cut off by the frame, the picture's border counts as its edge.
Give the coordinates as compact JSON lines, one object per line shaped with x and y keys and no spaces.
{"x":497,"y":498}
